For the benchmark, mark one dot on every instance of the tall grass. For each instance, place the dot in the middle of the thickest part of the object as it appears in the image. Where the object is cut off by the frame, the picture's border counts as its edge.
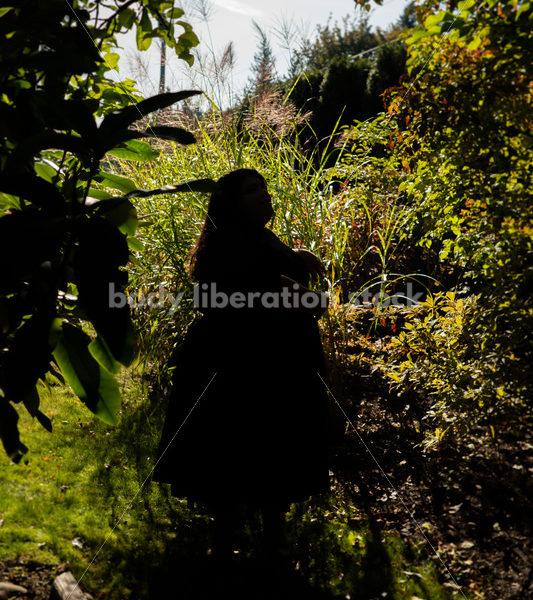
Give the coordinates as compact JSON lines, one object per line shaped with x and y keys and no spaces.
{"x":323,"y":198}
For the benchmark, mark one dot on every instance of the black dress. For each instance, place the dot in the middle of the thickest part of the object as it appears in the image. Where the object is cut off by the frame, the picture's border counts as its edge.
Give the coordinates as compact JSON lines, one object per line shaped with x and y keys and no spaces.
{"x":247,"y":410}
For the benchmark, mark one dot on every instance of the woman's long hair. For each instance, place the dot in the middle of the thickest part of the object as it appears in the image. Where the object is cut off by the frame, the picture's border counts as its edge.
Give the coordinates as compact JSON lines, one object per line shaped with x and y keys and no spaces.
{"x":222,"y":216}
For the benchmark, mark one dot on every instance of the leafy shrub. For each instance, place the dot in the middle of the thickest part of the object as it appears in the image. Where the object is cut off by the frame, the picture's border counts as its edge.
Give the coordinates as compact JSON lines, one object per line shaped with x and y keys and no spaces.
{"x":445,"y":351}
{"x":64,"y":240}
{"x":460,"y":133}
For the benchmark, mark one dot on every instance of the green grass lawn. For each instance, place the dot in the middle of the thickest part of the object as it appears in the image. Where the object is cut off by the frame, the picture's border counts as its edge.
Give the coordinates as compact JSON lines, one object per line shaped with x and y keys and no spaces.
{"x":78,"y":497}
{"x":67,"y":497}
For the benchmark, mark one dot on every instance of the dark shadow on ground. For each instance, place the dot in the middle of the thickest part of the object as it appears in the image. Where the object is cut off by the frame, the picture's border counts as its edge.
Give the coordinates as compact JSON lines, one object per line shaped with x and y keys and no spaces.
{"x":244,"y":578}
{"x":377,"y":576}
{"x":473,"y":496}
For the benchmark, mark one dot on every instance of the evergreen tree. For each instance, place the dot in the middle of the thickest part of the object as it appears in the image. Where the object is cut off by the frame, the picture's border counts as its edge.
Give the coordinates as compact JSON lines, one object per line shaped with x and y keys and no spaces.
{"x":264,"y":65}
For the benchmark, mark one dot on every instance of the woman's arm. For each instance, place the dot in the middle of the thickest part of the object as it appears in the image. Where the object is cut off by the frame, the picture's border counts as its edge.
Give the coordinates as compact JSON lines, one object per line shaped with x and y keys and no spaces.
{"x":312,"y":262}
{"x":249,"y":271}
{"x":317,"y":301}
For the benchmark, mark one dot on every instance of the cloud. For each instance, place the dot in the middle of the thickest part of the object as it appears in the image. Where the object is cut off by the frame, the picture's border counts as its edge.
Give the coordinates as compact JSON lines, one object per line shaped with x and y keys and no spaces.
{"x":239,"y":7}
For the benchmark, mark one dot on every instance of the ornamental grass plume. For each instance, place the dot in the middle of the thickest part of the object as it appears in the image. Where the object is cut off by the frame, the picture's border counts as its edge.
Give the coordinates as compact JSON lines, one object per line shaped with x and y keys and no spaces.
{"x":270,"y":113}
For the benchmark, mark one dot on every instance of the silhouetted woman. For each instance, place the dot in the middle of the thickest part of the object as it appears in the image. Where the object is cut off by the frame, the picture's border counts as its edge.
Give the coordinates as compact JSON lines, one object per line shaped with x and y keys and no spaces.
{"x":246,"y":417}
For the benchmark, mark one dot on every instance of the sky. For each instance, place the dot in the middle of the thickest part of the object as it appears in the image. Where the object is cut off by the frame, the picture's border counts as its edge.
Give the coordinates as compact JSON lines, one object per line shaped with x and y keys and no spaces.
{"x":232,"y":21}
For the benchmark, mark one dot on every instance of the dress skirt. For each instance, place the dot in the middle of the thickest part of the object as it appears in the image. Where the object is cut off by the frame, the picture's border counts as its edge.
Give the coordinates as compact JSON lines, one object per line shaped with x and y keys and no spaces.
{"x":246,"y":419}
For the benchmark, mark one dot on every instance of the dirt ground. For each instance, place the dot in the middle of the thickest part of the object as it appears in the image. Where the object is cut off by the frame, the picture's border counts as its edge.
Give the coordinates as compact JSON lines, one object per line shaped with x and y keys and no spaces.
{"x":472,"y":501}
{"x":35,"y":577}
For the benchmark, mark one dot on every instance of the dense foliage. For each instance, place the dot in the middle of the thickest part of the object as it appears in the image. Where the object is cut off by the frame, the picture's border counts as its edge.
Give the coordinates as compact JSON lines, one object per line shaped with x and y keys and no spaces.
{"x":428,"y":201}
{"x":463,"y":127}
{"x":63,"y":241}
{"x":342,"y":73}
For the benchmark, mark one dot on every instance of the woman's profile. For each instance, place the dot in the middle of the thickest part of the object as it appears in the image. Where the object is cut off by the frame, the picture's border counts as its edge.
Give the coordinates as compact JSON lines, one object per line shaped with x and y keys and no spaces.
{"x":245,"y":425}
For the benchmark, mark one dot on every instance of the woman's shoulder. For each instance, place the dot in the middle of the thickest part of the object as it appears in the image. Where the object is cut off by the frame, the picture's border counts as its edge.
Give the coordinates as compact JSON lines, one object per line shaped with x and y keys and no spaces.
{"x":272,"y":240}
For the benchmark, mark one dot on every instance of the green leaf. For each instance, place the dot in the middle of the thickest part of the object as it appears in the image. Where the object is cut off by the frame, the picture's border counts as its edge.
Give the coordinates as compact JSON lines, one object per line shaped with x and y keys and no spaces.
{"x":8,"y":202}
{"x":127,"y":18}
{"x":465,"y":5}
{"x":124,"y":117}
{"x":433,"y":20}
{"x":525,"y":7}
{"x":121,"y":213}
{"x":134,"y":150}
{"x":45,"y":171}
{"x":55,"y":333}
{"x":135,"y":244}
{"x":144,"y":29}
{"x":176,"y":134}
{"x":116,"y":182}
{"x":187,"y":40}
{"x":101,"y":353}
{"x":91,"y":382}
{"x":475,"y":43}
{"x":99,"y":194}
{"x":111,"y":60}
{"x":174,"y":13}
{"x":205,"y":186}
{"x":417,"y":35}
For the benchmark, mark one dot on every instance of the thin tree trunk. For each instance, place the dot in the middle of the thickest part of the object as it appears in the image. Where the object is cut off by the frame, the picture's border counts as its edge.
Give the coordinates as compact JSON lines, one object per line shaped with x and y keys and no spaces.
{"x":162,"y":67}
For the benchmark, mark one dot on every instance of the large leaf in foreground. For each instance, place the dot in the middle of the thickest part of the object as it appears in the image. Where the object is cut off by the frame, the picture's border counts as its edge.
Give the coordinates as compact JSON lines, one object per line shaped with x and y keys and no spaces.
{"x":102,"y":249}
{"x":38,"y":191}
{"x":9,"y":434}
{"x":103,"y":355}
{"x":124,"y":144}
{"x":91,"y":382}
{"x":132,"y":149}
{"x":116,"y":182}
{"x":124,"y":117}
{"x":120,"y":211}
{"x":205,"y":186}
{"x":175,"y":134}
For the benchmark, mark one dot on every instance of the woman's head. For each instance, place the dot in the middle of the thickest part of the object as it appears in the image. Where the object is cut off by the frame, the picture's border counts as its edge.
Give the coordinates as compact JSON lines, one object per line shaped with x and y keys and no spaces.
{"x":241,"y":205}
{"x":241,"y":202}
